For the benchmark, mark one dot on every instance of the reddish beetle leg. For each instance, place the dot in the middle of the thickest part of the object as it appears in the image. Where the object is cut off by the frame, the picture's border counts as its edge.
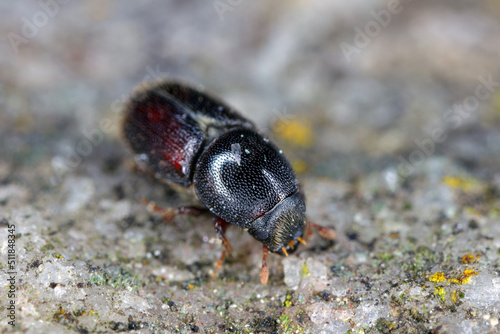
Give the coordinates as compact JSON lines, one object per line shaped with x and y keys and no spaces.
{"x":220,"y":228}
{"x":264,"y":271}
{"x":169,"y":214}
{"x":325,"y":232}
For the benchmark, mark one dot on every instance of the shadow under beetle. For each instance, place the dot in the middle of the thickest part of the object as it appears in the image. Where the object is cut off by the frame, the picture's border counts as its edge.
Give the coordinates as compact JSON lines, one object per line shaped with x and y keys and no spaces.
{"x":192,"y":139}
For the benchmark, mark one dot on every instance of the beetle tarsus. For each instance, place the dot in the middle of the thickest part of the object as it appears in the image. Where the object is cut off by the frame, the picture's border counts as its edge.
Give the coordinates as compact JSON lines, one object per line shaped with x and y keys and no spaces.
{"x":219,"y":262}
{"x":167,"y":214}
{"x":264,"y":271}
{"x":220,"y":227}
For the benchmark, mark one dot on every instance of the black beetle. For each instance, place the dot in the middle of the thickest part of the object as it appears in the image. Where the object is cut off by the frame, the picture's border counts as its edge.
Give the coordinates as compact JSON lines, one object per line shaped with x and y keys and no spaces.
{"x":192,"y":139}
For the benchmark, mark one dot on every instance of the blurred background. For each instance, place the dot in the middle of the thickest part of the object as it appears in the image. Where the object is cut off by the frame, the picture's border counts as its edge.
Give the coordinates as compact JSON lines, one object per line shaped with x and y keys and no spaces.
{"x":347,"y":86}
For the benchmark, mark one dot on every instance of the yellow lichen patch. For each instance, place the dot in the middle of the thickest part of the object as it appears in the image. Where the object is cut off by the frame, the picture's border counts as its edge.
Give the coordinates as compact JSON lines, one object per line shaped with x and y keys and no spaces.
{"x":299,"y":166}
{"x":461,"y":182}
{"x":471,"y":211}
{"x":394,"y":235}
{"x":465,"y":277}
{"x":437,"y":277}
{"x":439,"y":291}
{"x":295,"y":131}
{"x":288,"y":301}
{"x":468,"y":258}
{"x":305,"y":271}
{"x":454,"y":296}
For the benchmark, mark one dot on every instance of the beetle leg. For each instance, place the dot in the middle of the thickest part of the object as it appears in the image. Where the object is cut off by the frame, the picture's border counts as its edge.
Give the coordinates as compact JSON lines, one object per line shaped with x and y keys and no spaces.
{"x":169,"y":214}
{"x":220,"y":228}
{"x":264,"y":271}
{"x":190,"y":210}
{"x":308,"y":232}
{"x":325,"y":232}
{"x":219,"y":262}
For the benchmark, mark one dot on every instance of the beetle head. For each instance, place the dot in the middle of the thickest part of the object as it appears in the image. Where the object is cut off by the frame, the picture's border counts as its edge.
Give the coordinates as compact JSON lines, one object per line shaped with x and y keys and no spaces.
{"x":281,"y":228}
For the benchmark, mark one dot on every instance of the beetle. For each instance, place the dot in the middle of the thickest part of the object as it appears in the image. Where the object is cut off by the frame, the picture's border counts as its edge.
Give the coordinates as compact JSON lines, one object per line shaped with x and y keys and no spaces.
{"x":192,"y":139}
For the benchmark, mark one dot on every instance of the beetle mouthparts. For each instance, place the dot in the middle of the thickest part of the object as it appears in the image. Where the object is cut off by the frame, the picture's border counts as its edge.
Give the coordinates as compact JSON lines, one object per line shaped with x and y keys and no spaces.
{"x":284,"y":250}
{"x":302,"y":241}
